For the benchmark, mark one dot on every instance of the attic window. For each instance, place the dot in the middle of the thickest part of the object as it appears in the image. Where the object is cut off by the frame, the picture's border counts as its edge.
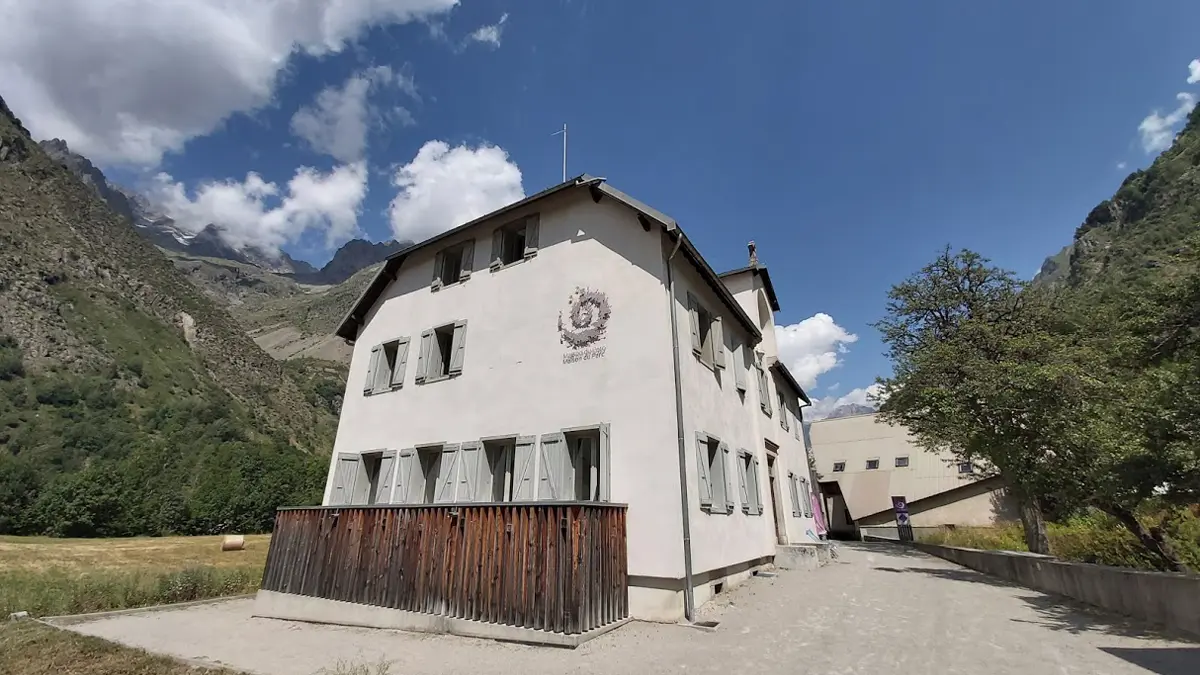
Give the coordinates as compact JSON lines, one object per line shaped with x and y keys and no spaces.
{"x":453,"y":264}
{"x":514,"y":242}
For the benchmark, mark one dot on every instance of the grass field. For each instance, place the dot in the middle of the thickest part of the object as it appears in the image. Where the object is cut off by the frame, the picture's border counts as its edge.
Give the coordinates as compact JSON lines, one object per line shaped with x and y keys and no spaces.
{"x":31,"y":648}
{"x":47,"y":577}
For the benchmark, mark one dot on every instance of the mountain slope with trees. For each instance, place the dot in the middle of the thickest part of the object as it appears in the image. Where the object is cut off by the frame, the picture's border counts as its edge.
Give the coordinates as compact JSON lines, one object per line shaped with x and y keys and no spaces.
{"x":131,"y":403}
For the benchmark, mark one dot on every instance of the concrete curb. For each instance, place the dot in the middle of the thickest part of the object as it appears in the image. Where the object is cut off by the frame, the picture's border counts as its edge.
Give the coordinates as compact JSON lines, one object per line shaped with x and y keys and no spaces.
{"x":71,"y":619}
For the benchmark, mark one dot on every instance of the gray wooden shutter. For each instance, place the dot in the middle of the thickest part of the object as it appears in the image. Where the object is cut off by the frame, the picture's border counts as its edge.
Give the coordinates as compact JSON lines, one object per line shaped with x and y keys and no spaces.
{"x":702,"y":476}
{"x":386,"y":479}
{"x":401,"y":363}
{"x":605,"y":461}
{"x":438,"y":259}
{"x":805,"y":498}
{"x":362,"y":486}
{"x":468,"y":260}
{"x":724,"y":459}
{"x":523,"y":463}
{"x":402,"y":494}
{"x":447,"y":475}
{"x":795,"y":494}
{"x":718,"y":343}
{"x":372,"y":366}
{"x":423,"y":356}
{"x":468,"y":474}
{"x":694,"y":319}
{"x":755,"y":489}
{"x":458,"y":347}
{"x":553,"y":467}
{"x":532,"y":225}
{"x":745,"y":489}
{"x":345,"y":471}
{"x":764,"y":391}
{"x":497,"y":248}
{"x":739,"y":367}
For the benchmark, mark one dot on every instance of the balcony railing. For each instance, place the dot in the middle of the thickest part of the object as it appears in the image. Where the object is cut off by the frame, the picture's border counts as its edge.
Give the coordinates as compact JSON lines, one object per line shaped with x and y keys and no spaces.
{"x":552,"y":566}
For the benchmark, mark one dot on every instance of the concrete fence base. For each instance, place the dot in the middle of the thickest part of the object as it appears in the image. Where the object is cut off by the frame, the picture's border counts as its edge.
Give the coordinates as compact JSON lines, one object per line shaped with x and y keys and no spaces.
{"x":1171,"y":600}
{"x":802,"y":556}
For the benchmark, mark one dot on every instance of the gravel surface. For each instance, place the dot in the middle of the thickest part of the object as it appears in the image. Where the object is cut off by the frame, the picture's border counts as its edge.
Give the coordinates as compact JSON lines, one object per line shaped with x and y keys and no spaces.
{"x":877,"y":610}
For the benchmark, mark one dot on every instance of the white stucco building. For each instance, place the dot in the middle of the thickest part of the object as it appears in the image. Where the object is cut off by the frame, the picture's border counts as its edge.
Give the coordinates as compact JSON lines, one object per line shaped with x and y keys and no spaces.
{"x":576,"y":346}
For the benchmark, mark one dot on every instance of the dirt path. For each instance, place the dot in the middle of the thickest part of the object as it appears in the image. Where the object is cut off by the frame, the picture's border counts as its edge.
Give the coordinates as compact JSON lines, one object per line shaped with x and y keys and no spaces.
{"x":876,"y":611}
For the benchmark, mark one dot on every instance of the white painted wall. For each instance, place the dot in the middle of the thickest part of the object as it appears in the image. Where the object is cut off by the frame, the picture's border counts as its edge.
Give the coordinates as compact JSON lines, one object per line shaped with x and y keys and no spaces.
{"x":514,"y":380}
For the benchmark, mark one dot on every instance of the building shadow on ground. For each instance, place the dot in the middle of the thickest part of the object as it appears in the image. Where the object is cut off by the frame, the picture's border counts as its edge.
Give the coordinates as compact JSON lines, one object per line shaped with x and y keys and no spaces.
{"x":1163,"y":661}
{"x":1055,"y":612}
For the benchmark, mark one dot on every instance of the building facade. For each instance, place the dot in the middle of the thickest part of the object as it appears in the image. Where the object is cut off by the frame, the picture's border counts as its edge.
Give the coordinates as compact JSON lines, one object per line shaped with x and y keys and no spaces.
{"x":862,"y":463}
{"x":560,"y":349}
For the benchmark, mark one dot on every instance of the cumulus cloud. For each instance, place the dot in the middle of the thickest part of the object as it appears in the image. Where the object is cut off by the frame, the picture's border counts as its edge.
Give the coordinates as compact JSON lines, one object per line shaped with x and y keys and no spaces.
{"x":443,"y":187}
{"x":812,"y":347}
{"x":489,"y":34}
{"x":1194,"y":71}
{"x":822,"y":407}
{"x":257,"y":213}
{"x":1158,"y":131}
{"x":125,"y":82}
{"x":1121,"y":166}
{"x":337,"y":122}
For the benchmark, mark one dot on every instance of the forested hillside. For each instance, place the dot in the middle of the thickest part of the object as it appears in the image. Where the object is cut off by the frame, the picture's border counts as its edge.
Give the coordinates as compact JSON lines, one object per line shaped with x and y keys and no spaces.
{"x":130,"y":403}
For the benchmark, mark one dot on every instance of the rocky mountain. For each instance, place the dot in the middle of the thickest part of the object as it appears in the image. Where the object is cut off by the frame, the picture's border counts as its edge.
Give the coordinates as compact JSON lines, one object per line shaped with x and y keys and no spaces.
{"x":849,"y":410}
{"x":131,"y":402}
{"x":159,"y":228}
{"x":354,"y":255}
{"x":1139,"y":230}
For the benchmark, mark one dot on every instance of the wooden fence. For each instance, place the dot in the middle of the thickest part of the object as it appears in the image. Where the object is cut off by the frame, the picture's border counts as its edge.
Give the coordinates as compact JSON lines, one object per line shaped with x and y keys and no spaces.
{"x":553,"y":566}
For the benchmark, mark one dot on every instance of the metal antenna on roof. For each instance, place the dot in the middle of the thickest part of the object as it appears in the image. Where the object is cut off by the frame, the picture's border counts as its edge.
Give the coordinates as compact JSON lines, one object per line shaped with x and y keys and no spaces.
{"x":564,"y":135}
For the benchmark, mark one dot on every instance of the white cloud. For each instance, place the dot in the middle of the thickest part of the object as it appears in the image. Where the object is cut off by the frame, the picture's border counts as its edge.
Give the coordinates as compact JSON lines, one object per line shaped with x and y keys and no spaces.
{"x":125,"y":82}
{"x":812,"y":347}
{"x":243,"y":211}
{"x":822,"y":407}
{"x":1158,"y":131}
{"x":337,"y":122}
{"x":489,"y":34}
{"x":443,"y":187}
{"x":1194,"y":71}
{"x":1121,"y":166}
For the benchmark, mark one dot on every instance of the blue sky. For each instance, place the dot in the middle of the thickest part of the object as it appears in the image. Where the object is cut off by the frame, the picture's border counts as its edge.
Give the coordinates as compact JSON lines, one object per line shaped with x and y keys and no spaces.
{"x":850,"y":140}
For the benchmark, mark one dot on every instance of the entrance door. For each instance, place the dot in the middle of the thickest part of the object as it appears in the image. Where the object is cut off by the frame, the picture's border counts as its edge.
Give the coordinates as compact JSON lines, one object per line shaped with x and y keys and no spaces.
{"x":780,"y":528}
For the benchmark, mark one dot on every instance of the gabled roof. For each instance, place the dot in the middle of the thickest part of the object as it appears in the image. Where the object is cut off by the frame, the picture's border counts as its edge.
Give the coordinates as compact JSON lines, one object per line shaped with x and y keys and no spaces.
{"x":760,"y":270}
{"x":786,"y":374}
{"x":348,"y":328}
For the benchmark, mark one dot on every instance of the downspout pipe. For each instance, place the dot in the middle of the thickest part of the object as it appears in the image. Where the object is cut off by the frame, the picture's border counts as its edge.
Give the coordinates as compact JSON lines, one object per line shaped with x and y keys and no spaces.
{"x":689,"y":601}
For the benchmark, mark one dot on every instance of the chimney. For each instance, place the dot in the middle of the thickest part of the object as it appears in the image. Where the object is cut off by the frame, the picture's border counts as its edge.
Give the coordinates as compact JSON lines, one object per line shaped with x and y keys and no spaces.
{"x":753,"y":254}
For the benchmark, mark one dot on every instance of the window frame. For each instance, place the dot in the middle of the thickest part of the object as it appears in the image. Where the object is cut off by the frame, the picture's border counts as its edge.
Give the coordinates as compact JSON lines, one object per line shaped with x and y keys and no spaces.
{"x":764,"y":385}
{"x":839,"y":463}
{"x":720,"y":500}
{"x":970,"y":468}
{"x":373,"y":386}
{"x":868,"y":464}
{"x":747,"y":466}
{"x":907,"y":462}
{"x":531,"y":224}
{"x":784,"y":408}
{"x":465,"y":250}
{"x":429,"y":339}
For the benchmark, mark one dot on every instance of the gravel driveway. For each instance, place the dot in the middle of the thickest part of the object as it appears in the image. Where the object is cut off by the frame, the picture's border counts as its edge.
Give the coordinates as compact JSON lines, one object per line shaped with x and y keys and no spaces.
{"x":877,"y":610}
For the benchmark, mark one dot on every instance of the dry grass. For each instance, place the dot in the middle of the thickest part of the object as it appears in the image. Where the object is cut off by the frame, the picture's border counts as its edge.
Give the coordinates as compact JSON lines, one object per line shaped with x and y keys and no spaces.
{"x":163,"y":553}
{"x":48,"y":577}
{"x":31,"y":648}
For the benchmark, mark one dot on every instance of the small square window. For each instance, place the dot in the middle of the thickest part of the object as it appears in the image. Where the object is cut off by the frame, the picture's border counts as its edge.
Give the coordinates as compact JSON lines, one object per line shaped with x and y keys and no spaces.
{"x":966,"y":467}
{"x":902,"y":462}
{"x":839,"y":467}
{"x":872,"y":464}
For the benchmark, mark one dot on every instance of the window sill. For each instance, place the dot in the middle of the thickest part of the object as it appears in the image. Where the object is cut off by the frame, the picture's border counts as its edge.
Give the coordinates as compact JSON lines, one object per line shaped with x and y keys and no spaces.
{"x":386,"y":390}
{"x":497,"y":268}
{"x":443,"y":287}
{"x":439,"y":378}
{"x":713,"y":511}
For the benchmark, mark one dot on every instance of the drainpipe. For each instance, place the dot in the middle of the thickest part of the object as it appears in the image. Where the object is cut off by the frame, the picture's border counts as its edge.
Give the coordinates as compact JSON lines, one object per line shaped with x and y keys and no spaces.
{"x":689,"y":602}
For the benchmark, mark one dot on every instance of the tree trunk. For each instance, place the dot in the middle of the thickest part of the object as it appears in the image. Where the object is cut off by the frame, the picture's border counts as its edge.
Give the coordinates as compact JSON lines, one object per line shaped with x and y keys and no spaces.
{"x":1035,"y":526}
{"x":1152,"y":538}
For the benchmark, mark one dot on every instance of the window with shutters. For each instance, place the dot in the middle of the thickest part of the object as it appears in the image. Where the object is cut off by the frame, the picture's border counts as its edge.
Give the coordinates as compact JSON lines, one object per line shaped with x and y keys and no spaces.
{"x":514,"y":242}
{"x":805,"y":498}
{"x":748,"y":483}
{"x":794,"y":488}
{"x":429,"y":476}
{"x":496,"y":480}
{"x":783,"y":409}
{"x":453,"y":264}
{"x":764,"y":389}
{"x":707,"y":342}
{"x":443,"y":351}
{"x":583,"y":467}
{"x":386,"y":371}
{"x":715,"y":493}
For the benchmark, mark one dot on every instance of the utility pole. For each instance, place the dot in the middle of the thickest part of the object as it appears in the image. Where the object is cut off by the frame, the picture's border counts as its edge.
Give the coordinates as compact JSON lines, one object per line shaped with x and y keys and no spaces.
{"x":564,"y":135}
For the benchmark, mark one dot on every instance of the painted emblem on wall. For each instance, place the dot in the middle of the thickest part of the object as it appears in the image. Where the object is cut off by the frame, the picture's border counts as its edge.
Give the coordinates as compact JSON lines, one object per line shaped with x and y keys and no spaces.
{"x":584,"y":325}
